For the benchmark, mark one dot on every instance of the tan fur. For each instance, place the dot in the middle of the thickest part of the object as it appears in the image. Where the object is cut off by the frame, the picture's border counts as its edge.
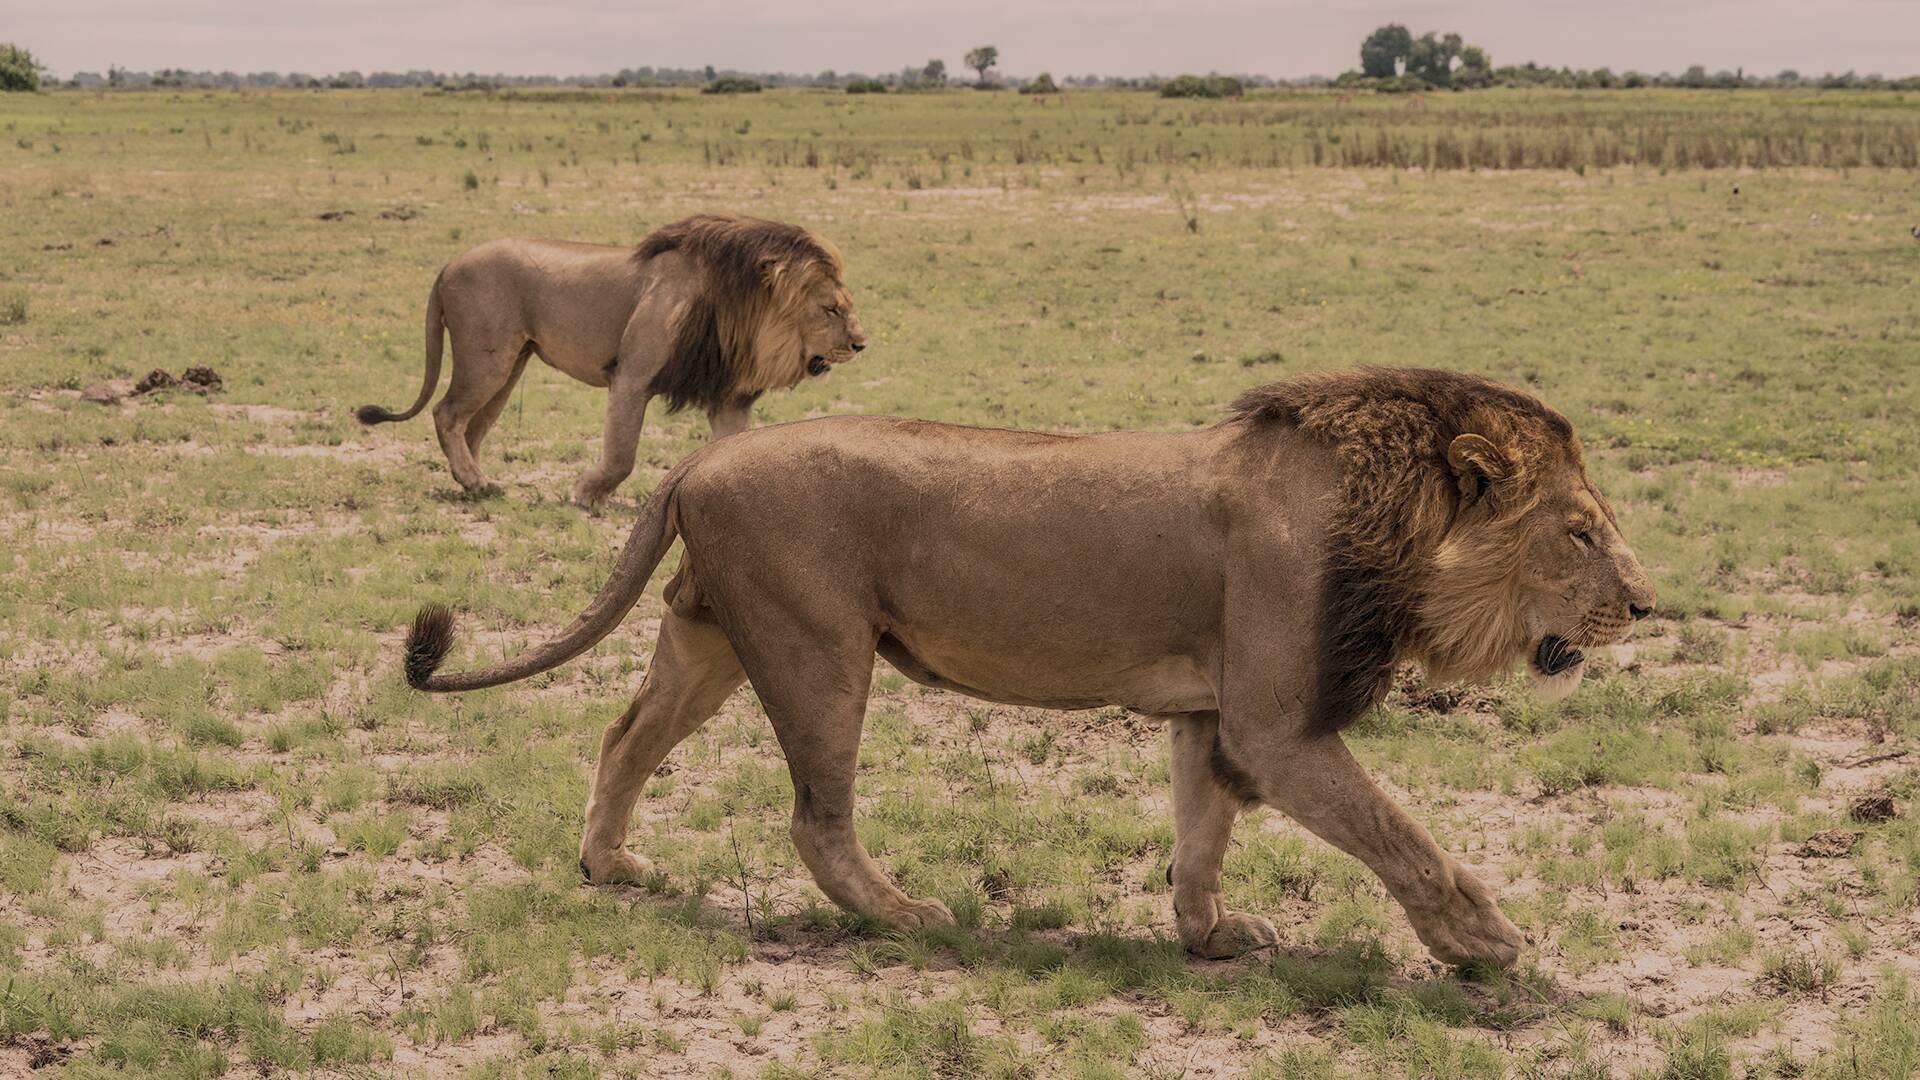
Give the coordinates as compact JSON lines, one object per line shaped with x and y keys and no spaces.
{"x":1210,"y":577}
{"x":710,"y":311}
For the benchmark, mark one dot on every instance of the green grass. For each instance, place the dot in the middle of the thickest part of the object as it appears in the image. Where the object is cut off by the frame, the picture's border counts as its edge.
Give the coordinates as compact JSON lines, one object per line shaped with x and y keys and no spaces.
{"x":199,"y":604}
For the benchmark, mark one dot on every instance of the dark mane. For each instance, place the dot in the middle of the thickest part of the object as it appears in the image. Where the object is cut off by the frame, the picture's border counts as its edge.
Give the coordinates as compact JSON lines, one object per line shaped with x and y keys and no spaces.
{"x":713,"y":347}
{"x":1390,"y":429}
{"x":1449,"y":396}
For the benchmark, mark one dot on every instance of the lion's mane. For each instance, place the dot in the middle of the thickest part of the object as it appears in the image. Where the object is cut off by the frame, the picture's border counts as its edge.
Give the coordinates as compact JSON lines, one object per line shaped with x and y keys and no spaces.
{"x":1400,"y":582}
{"x":741,"y":337}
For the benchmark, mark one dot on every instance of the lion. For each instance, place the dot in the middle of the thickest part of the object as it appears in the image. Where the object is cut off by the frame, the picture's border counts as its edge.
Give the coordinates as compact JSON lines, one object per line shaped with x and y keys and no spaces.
{"x":1255,"y":583}
{"x":713,"y":311}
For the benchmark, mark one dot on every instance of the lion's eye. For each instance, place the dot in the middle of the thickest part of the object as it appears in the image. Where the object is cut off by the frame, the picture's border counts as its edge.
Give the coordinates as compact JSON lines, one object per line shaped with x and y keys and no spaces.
{"x":1583,"y":537}
{"x":833,"y":309}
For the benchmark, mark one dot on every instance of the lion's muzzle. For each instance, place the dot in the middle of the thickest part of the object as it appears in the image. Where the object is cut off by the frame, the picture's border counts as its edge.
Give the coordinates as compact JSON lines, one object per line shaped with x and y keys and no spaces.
{"x":1556,"y":655}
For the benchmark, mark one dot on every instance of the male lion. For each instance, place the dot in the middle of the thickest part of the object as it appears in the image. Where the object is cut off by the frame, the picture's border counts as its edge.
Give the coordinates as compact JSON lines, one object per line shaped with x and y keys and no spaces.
{"x":712,"y":311}
{"x":1254,"y":582}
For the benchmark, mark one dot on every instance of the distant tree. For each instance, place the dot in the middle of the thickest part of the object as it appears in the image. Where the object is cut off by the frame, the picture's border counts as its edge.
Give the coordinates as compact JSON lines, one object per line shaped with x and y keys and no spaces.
{"x":18,"y":69}
{"x":1041,"y":84}
{"x":732,"y":84}
{"x":981,"y":59}
{"x":1475,"y":70}
{"x":1431,"y":58}
{"x":866,"y":86}
{"x":1384,"y":49}
{"x":935,"y":73}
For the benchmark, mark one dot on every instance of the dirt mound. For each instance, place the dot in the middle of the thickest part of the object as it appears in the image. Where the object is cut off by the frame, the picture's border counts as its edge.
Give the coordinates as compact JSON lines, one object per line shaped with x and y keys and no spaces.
{"x":1830,"y":844}
{"x":1872,"y":808}
{"x":157,"y":379}
{"x":200,"y":380}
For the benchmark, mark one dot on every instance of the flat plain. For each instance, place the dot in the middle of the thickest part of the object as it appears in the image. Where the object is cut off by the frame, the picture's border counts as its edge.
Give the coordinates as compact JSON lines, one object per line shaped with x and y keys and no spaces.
{"x":233,"y":843}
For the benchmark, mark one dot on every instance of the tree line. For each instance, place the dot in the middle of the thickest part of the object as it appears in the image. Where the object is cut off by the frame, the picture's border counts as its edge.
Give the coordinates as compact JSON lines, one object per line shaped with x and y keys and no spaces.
{"x":1393,"y":60}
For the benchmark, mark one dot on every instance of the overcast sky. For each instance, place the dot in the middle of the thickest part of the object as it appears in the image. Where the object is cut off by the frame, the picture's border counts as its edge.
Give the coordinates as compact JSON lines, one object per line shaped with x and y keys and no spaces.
{"x":1286,"y":38}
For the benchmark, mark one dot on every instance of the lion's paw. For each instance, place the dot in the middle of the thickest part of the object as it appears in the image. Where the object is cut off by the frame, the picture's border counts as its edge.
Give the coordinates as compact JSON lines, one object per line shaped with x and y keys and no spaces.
{"x":620,"y":867}
{"x":1236,"y":934}
{"x":917,"y":914}
{"x":1471,"y":930}
{"x":589,"y":493}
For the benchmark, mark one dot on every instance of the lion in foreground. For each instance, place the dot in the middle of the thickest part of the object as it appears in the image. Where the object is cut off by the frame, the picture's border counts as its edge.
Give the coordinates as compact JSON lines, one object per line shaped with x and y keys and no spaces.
{"x":711,"y":311}
{"x":1254,"y":582}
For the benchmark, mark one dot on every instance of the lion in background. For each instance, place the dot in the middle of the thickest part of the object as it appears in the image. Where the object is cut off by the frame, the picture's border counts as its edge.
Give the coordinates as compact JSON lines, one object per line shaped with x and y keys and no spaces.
{"x":1255,"y":583}
{"x":712,"y":311}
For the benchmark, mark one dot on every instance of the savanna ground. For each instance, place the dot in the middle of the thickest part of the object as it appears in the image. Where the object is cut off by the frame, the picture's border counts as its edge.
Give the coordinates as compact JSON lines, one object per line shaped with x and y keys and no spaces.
{"x":233,"y":843}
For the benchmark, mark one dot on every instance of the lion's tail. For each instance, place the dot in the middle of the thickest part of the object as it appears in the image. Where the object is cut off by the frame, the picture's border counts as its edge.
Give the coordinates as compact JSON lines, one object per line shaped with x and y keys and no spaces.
{"x":653,"y":532}
{"x":436,"y":331}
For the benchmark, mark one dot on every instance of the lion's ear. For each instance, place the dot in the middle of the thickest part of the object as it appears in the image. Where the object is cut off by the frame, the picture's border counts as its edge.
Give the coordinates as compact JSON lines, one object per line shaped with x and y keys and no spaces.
{"x":1477,"y":464}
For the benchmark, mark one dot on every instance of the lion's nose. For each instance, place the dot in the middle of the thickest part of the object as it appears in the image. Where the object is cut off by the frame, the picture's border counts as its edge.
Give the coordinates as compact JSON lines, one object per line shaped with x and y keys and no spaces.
{"x":859,"y":346}
{"x":1638,"y":612}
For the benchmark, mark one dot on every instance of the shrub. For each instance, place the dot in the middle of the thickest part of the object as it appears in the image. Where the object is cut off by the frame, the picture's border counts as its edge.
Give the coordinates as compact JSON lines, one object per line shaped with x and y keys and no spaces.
{"x":732,"y":85}
{"x":1202,"y":86}
{"x":1043,"y":84}
{"x":866,"y":86}
{"x":18,"y":69}
{"x":1403,"y":84}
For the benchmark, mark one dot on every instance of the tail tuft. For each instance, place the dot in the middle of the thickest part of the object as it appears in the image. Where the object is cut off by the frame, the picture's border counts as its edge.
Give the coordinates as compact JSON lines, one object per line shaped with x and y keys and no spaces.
{"x":427,"y":643}
{"x":373,"y":414}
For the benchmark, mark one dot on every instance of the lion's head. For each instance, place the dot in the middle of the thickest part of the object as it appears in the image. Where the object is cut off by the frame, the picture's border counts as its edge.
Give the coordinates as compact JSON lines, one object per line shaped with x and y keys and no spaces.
{"x":810,"y":317}
{"x":1533,"y":564}
{"x":1468,"y":535}
{"x":774,"y":309}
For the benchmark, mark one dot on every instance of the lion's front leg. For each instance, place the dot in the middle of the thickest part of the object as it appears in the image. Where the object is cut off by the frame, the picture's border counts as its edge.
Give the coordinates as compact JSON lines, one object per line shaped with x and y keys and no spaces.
{"x":620,"y":439}
{"x":1316,"y":781}
{"x":732,"y":416}
{"x":1203,"y":813}
{"x":645,"y":345}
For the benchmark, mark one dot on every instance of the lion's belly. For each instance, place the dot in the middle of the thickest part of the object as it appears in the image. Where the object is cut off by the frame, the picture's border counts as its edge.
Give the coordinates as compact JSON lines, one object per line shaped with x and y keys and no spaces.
{"x":1070,"y":680}
{"x":577,"y":301}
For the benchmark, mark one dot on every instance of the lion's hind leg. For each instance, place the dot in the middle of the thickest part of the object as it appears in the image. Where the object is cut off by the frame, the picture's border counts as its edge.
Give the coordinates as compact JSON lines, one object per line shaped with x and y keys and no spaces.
{"x":817,"y":706}
{"x":482,"y":374}
{"x":693,"y":671}
{"x":483,"y":421}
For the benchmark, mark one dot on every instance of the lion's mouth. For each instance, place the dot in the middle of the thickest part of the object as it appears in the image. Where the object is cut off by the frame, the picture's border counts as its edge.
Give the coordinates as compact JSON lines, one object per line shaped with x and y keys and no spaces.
{"x":1556,"y":654}
{"x":818,"y":366}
